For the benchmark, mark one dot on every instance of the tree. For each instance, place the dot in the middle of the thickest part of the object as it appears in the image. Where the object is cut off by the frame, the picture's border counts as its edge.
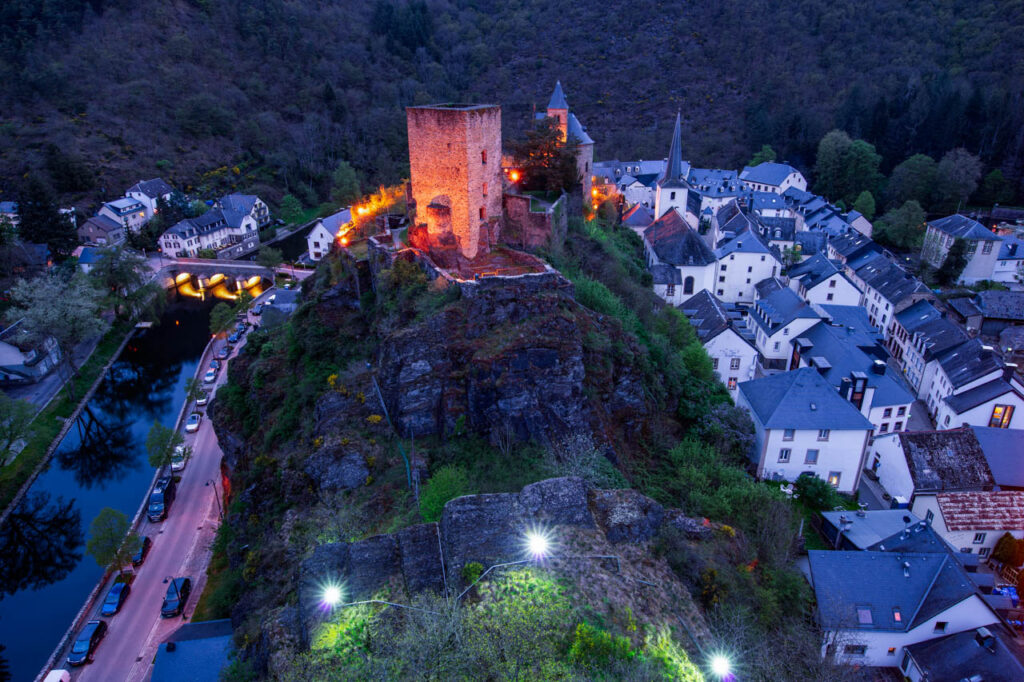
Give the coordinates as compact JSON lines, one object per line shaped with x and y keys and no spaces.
{"x":830,"y":164}
{"x":954,"y":263}
{"x":222,"y":317}
{"x":791,"y":256}
{"x":816,"y":493}
{"x":124,"y":277}
{"x":291,"y":209}
{"x":861,"y":163}
{"x":42,"y":222}
{"x":15,"y":418}
{"x":210,"y":254}
{"x":446,"y":484}
{"x":546,"y":163}
{"x":161,"y":443}
{"x":995,"y":189}
{"x":865,"y":204}
{"x":193,"y":389}
{"x":269,"y":257}
{"x":956,"y":177}
{"x":109,"y":542}
{"x":912,"y":179}
{"x":68,"y":311}
{"x":345,"y":187}
{"x":729,"y":430}
{"x":243,"y":301}
{"x":765,"y":154}
{"x":1009,"y":550}
{"x":903,"y":227}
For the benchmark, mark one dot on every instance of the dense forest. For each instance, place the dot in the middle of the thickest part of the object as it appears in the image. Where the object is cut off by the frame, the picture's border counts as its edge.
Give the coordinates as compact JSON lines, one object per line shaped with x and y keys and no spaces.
{"x":269,"y":95}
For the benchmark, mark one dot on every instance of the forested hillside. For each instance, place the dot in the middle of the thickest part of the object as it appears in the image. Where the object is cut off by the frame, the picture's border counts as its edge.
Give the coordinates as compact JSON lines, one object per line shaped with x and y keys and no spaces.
{"x":269,"y":95}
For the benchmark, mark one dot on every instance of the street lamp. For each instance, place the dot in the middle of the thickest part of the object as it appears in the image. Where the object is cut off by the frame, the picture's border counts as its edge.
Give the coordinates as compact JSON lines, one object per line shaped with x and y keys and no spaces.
{"x":330,"y":598}
{"x":216,"y":496}
{"x":720,"y":666}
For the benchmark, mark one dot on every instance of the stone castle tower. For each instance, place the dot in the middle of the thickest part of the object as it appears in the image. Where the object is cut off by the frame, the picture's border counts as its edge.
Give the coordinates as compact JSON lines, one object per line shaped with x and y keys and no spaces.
{"x":455,"y":173}
{"x":573,"y":132}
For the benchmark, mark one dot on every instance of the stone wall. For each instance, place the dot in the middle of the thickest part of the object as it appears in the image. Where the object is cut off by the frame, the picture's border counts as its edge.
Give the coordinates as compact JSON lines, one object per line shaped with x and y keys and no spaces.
{"x":455,"y":171}
{"x":533,"y":229}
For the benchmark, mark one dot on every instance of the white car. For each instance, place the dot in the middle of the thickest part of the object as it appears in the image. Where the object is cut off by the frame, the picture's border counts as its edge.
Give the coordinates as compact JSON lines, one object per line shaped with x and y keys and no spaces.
{"x":210,"y":376}
{"x":192,"y":425}
{"x":203,"y":398}
{"x":178,"y":458}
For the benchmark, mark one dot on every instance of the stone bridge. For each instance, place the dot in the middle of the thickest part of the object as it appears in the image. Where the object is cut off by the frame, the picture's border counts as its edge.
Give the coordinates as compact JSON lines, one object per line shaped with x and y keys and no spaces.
{"x":193,"y":276}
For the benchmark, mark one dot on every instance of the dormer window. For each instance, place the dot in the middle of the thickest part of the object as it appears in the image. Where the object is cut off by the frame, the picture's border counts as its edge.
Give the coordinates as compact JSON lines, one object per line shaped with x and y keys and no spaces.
{"x":896,"y":615}
{"x":864,"y":615}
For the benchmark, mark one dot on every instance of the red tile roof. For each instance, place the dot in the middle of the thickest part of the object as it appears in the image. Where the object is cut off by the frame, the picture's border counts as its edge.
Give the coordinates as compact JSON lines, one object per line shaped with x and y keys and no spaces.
{"x":1003,"y":510}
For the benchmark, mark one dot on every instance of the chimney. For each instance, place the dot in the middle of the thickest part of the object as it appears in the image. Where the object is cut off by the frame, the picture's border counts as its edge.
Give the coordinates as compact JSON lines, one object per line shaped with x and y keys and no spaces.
{"x":878,"y":367}
{"x":985,"y":639}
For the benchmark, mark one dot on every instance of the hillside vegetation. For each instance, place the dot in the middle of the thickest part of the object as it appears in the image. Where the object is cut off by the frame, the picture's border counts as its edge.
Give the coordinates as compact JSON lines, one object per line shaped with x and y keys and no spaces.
{"x":269,"y":95}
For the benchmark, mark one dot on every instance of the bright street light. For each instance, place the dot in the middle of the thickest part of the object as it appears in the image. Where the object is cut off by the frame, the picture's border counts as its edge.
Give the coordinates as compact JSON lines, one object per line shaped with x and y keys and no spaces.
{"x":720,"y":666}
{"x":537,"y":545}
{"x":331,"y":596}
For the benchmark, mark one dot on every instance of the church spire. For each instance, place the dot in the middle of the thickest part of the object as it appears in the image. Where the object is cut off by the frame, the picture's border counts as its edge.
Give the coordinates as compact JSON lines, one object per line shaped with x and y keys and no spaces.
{"x":674,"y":167}
{"x":558,"y":98}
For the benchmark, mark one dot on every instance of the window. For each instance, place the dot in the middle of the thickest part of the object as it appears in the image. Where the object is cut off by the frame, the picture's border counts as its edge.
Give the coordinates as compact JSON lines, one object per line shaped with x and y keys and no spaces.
{"x":823,"y":434}
{"x":892,"y":651}
{"x":983,"y":551}
{"x":734,"y":363}
{"x":672,"y":196}
{"x":812,"y":457}
{"x":785,"y":332}
{"x":724,"y":267}
{"x":481,"y":213}
{"x":775,"y":346}
{"x":788,"y":434}
{"x":748,"y":280}
{"x":1001,"y":416}
{"x":750,"y":268}
{"x":670,"y":290}
{"x":885,"y":428}
{"x":721,"y":292}
{"x":721,"y":279}
{"x":966,"y":550}
{"x":855,"y":649}
{"x":901,"y":411}
{"x":762,"y":259}
{"x":898,"y":426}
{"x":831,"y":284}
{"x":897,"y":617}
{"x":485,"y":189}
{"x":688,"y":285}
{"x":979,"y":538}
{"x":905,"y":663}
{"x":987,"y":248}
{"x":483,"y":156}
{"x":940,"y":626}
{"x":829,"y":297}
{"x":732,"y":383}
{"x":946,"y":422}
{"x":929,"y":516}
{"x":784,"y":455}
{"x":887,"y":413}
{"x":714,"y":363}
{"x":864,"y":615}
{"x":833,"y":478}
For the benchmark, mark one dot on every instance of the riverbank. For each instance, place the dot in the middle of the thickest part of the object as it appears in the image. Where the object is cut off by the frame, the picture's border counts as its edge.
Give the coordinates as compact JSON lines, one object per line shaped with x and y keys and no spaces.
{"x":53,"y":421}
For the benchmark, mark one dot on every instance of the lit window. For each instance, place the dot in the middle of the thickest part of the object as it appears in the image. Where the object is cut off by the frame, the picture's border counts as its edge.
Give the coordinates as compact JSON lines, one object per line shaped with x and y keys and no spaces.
{"x":833,"y":478}
{"x":892,"y":651}
{"x":896,"y":615}
{"x":732,"y":383}
{"x":1001,"y":416}
{"x":784,"y":454}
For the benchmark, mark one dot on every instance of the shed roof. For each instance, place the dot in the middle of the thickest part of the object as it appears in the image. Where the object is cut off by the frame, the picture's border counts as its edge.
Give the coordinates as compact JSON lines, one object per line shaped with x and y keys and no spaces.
{"x":982,"y":510}
{"x":945,"y":460}
{"x":961,"y":657}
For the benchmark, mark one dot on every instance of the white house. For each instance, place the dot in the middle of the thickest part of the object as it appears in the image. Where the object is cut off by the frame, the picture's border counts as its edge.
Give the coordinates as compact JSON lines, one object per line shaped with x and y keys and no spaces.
{"x":772,"y":177}
{"x":858,"y":222}
{"x":888,"y":290}
{"x":228,"y":232}
{"x":732,"y":352}
{"x":716,"y":187}
{"x":323,"y":234}
{"x":956,"y":371}
{"x":982,"y":246}
{"x":998,"y":403}
{"x":129,"y":212}
{"x":1009,"y":267}
{"x":972,"y":521}
{"x":743,"y":260}
{"x":819,"y":280}
{"x":679,"y":260}
{"x":148,"y":193}
{"x":777,"y":319}
{"x":246,"y":204}
{"x":802,"y":425}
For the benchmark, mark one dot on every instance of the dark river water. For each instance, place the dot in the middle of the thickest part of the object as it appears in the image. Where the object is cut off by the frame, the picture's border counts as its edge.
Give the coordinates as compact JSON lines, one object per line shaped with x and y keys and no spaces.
{"x":45,"y":574}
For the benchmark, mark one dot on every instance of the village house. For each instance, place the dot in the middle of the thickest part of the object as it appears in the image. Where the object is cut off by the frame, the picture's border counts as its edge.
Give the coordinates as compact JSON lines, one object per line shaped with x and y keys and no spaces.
{"x":743,"y":259}
{"x":246,"y":204}
{"x":679,"y":260}
{"x":638,"y":218}
{"x":636,"y":181}
{"x":969,"y":383}
{"x":819,"y":280}
{"x":919,"y":335}
{"x":982,"y":246}
{"x":149,"y":193}
{"x":1009,"y":267}
{"x":980,"y":654}
{"x":776,"y":319}
{"x":990,"y":312}
{"x":851,"y":247}
{"x":131,"y":213}
{"x":888,"y":290}
{"x":772,"y":177}
{"x":716,"y":187}
{"x":25,"y":359}
{"x":228,"y":232}
{"x":322,"y":236}
{"x":907,"y":589}
{"x":804,"y":426}
{"x":729,"y":345}
{"x":101,"y":230}
{"x":863,"y":529}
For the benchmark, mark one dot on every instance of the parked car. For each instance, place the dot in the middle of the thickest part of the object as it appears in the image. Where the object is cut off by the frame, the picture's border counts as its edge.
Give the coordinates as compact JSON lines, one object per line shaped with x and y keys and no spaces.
{"x":58,"y":676}
{"x":160,"y":499}
{"x":178,"y":458}
{"x":210,"y":376}
{"x":141,"y":551}
{"x":203,"y":399}
{"x":257,"y":309}
{"x":176,"y":598}
{"x":115,"y":598}
{"x":234,"y":338}
{"x":87,"y":641}
{"x":270,"y":301}
{"x":215,"y":364}
{"x":287,"y":285}
{"x":192,"y":425}
{"x":223,"y":353}
{"x":240,"y":327}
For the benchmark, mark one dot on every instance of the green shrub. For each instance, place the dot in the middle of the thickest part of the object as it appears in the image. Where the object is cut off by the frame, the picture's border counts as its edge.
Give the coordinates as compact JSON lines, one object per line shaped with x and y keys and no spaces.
{"x":817,"y":493}
{"x":446,"y":484}
{"x":471,"y":572}
{"x":594,"y":648}
{"x":1009,"y":550}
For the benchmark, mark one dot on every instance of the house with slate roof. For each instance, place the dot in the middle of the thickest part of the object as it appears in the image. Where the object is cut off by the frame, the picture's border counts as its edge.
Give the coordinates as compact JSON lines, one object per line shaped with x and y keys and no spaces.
{"x":101,"y":230}
{"x":989,"y":654}
{"x":322,"y":236}
{"x":973,"y":521}
{"x":246,"y":204}
{"x":920,"y":334}
{"x":638,"y":190}
{"x":862,"y":529}
{"x":966,"y":384}
{"x":727,"y":342}
{"x":1009,"y":267}
{"x":638,"y":218}
{"x":779,"y":232}
{"x":673,"y":188}
{"x":609,"y":172}
{"x":857,"y":221}
{"x":743,"y":260}
{"x":128,"y":212}
{"x":775,"y":320}
{"x":803,"y":426}
{"x":716,"y":187}
{"x":819,"y":280}
{"x":148,"y":193}
{"x":1002,"y":449}
{"x":888,"y":290}
{"x":772,"y":177}
{"x":679,"y":260}
{"x":847,"y":351}
{"x":982,"y":246}
{"x":990,"y":312}
{"x":850,"y":246}
{"x":874,"y":604}
{"x":228,"y":232}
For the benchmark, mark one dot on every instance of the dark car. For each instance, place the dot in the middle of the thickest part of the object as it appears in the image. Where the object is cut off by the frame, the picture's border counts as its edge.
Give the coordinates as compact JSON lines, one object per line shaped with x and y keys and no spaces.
{"x":257,"y":309}
{"x":223,"y":353}
{"x":214,"y":364}
{"x":141,"y":551}
{"x":234,"y":338}
{"x":240,"y":327}
{"x":177,"y":596}
{"x":87,"y":641}
{"x":115,"y":598}
{"x":160,"y":499}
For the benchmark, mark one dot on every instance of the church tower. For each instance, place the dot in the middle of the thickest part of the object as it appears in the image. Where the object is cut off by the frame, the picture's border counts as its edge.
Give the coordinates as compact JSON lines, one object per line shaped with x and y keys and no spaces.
{"x":672,"y":186}
{"x":558,"y":109}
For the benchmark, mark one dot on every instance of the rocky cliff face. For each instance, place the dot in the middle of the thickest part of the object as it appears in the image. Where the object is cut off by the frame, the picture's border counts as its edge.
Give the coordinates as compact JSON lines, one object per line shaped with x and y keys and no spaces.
{"x":515,"y":355}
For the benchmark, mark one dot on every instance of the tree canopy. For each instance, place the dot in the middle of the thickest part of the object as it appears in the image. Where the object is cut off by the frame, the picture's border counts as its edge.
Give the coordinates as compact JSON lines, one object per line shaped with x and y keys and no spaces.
{"x":109,"y":542}
{"x":161,"y":442}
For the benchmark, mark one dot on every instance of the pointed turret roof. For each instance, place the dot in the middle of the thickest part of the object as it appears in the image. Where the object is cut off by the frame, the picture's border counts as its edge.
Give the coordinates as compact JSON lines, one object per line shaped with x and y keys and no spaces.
{"x":674,"y":168}
{"x":558,"y":98}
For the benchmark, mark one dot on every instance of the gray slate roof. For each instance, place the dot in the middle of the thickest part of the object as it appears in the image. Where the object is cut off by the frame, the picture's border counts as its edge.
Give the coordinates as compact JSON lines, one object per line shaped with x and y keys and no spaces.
{"x":962,"y":227}
{"x":103,"y":224}
{"x":708,"y":316}
{"x":979,"y":395}
{"x":767,"y":173}
{"x":767,"y":286}
{"x":916,"y":315}
{"x":557,"y":100}
{"x":1012,"y":248}
{"x":814,"y":271}
{"x":638,"y":216}
{"x":811,"y":242}
{"x":801,"y":399}
{"x":242,"y":203}
{"x":945,"y":460}
{"x":675,"y":243}
{"x":665,"y":274}
{"x":891,"y":281}
{"x":1002,"y":448}
{"x":714,"y":182}
{"x":336,"y":221}
{"x":576,"y":131}
{"x":747,"y":241}
{"x":871,"y":528}
{"x":852,"y":243}
{"x":153,"y":189}
{"x":968,"y":362}
{"x":675,"y":173}
{"x":779,"y":308}
{"x":783,"y":229}
{"x":1001,"y":305}
{"x":961,"y":657}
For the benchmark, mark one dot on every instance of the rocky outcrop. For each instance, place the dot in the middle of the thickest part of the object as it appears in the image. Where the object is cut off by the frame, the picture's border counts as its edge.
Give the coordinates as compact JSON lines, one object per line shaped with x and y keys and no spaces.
{"x":510,"y":356}
{"x":332,"y":469}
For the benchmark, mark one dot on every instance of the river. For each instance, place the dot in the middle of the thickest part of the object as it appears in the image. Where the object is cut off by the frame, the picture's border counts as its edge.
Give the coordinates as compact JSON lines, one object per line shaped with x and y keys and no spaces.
{"x":45,"y":574}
